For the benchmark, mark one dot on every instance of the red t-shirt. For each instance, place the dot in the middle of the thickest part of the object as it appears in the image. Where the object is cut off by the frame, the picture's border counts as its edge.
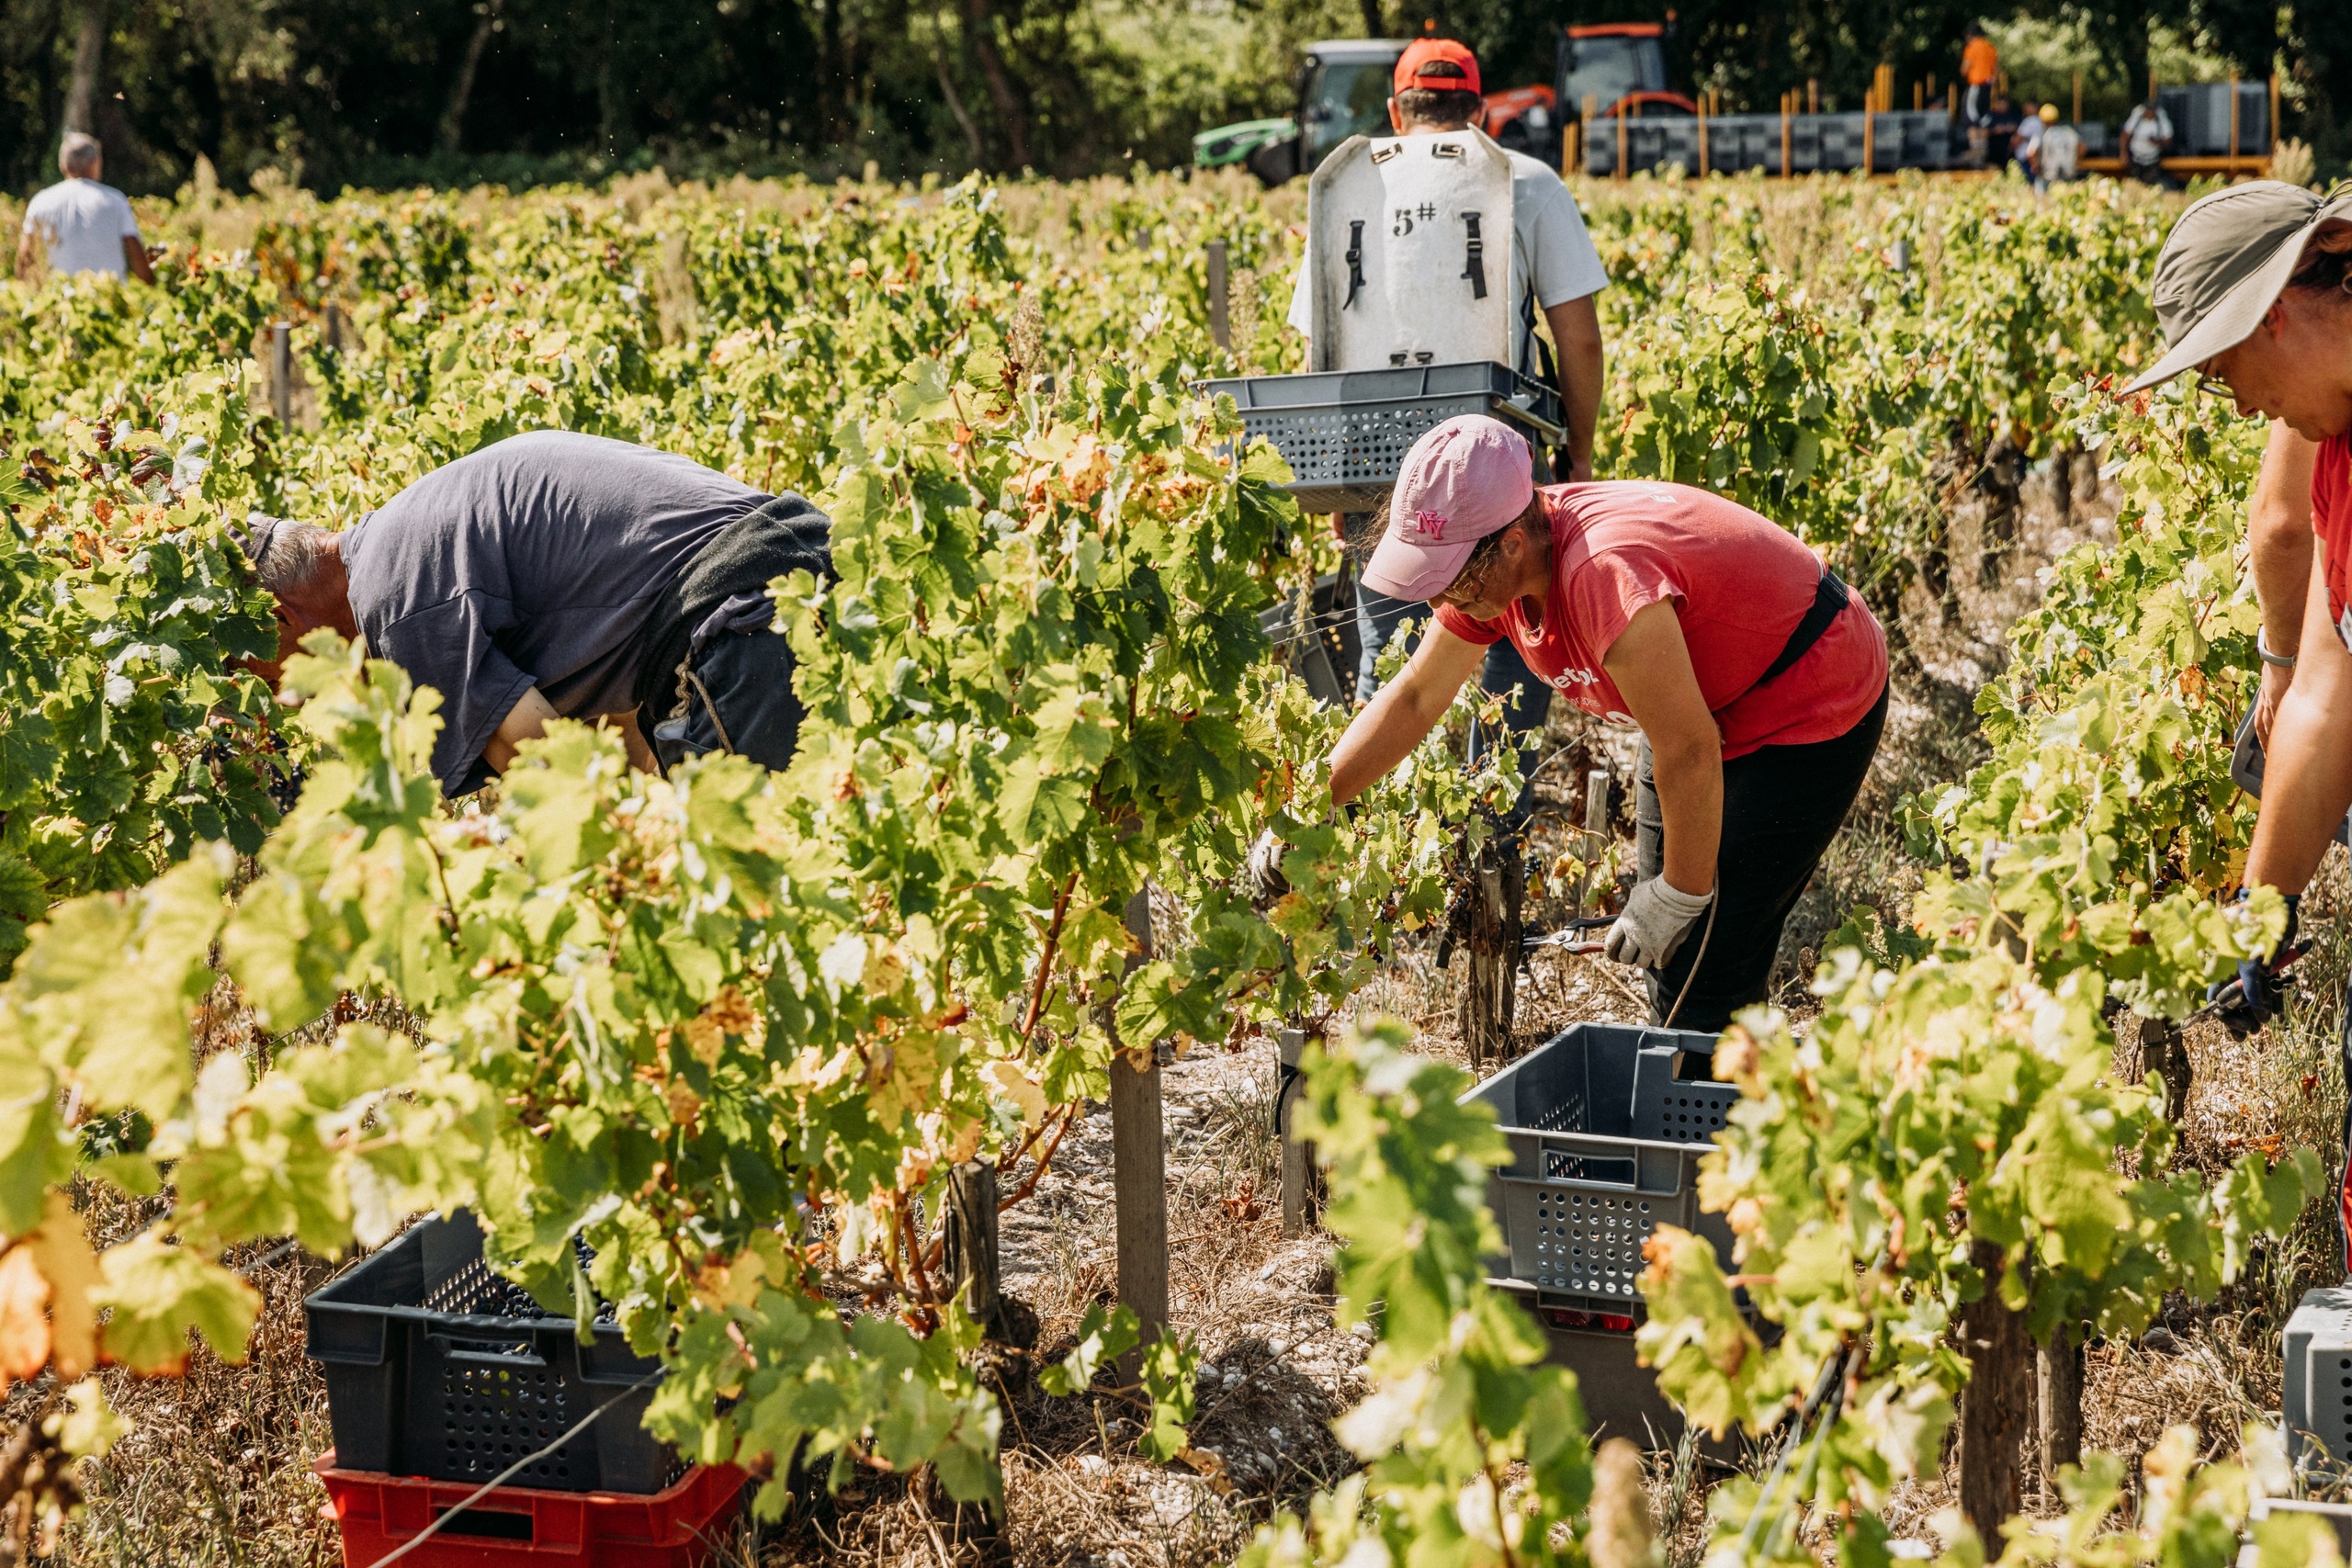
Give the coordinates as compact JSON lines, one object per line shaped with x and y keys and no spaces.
{"x":1739,"y":582}
{"x":2331,"y":521}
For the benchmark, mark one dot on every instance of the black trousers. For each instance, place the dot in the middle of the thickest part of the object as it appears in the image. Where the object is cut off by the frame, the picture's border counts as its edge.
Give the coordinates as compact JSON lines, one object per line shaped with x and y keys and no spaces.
{"x":1781,"y":806}
{"x":738,"y":699}
{"x":2344,"y":1172}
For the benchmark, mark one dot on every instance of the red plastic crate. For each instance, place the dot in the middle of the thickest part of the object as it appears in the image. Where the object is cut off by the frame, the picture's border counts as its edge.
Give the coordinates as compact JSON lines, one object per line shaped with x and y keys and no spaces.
{"x":521,"y":1526}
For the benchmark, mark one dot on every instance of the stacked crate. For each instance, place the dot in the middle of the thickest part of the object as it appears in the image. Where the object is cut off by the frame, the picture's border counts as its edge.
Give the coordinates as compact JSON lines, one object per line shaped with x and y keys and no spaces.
{"x":444,"y":1378}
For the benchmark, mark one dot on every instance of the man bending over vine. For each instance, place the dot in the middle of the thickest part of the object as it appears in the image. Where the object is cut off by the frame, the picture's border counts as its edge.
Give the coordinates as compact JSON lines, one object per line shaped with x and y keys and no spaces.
{"x":559,"y":575}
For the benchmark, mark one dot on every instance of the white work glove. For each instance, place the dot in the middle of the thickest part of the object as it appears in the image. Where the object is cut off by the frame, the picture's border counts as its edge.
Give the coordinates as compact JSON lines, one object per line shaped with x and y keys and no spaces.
{"x":1657,"y":917}
{"x":1261,"y":872}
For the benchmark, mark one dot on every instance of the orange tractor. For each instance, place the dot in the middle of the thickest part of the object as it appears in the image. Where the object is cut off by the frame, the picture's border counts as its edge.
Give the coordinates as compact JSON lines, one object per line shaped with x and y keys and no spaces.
{"x":1617,"y":67}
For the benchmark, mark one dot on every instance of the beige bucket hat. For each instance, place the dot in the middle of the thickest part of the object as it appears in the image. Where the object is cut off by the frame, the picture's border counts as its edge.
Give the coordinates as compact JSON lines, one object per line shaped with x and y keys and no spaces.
{"x":2225,"y":262}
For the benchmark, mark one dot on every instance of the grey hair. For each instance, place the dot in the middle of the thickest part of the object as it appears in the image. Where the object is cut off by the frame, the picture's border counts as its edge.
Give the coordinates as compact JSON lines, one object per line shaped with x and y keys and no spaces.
{"x":79,"y":152}
{"x":286,"y":555}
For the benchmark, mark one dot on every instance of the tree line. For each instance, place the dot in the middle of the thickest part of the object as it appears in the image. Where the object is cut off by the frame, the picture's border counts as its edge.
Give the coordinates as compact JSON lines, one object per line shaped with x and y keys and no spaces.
{"x":335,"y":91}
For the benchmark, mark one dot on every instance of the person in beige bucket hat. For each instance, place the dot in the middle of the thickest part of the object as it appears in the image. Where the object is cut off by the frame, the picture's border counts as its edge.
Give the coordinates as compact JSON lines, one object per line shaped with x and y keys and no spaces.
{"x":2221,"y":296}
{"x":2246,"y":295}
{"x":2253,"y":292}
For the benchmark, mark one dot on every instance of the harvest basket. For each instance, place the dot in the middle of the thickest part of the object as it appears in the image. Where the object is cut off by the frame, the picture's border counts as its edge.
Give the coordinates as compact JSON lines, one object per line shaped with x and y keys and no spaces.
{"x":520,"y":1526}
{"x":1607,"y":1122}
{"x":437,"y":1367}
{"x":1345,"y":433}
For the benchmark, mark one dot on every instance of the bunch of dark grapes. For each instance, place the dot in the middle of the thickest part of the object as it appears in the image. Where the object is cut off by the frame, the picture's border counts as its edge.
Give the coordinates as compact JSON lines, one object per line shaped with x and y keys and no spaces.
{"x":503,"y":1298}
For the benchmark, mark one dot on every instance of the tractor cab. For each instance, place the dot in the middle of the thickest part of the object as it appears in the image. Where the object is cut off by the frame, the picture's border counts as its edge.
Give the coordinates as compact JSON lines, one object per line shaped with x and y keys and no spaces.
{"x":1606,"y":70}
{"x":1343,"y":87}
{"x":1608,"y":64}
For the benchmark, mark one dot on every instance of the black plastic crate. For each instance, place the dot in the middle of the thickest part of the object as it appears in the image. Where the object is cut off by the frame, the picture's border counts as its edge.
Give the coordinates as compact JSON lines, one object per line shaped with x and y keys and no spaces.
{"x":1607,"y":1123}
{"x":431,"y":1370}
{"x":1345,"y":433}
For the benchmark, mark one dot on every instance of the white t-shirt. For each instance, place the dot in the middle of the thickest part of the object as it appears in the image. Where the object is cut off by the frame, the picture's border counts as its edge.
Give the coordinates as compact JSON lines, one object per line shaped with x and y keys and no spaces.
{"x":1549,"y":245}
{"x":2030,"y":131}
{"x":2059,"y":147}
{"x":2147,"y":131}
{"x":83,"y":224}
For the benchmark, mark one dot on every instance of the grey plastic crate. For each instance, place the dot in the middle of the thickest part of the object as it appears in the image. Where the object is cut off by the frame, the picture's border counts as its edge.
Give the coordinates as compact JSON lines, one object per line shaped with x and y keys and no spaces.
{"x":430,"y":1373}
{"x":2337,"y":1516}
{"x":1607,"y":1122}
{"x":1345,"y":433}
{"x":2316,"y":1405}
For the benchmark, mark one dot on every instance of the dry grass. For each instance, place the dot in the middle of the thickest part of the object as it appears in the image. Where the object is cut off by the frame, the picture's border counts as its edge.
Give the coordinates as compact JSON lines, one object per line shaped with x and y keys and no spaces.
{"x":217,"y":1469}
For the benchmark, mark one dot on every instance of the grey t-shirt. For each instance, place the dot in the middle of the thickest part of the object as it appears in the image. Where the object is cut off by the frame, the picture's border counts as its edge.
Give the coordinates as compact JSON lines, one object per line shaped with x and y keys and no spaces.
{"x":533,"y":562}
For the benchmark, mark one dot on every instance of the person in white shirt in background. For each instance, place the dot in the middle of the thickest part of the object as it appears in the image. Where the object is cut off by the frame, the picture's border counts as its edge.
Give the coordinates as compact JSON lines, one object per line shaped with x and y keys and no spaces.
{"x":2058,"y":155}
{"x":82,"y":226}
{"x":2147,"y":132}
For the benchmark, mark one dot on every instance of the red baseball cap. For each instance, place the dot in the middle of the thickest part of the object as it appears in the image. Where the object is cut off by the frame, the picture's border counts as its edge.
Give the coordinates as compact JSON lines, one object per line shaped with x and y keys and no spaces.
{"x":1439,"y":64}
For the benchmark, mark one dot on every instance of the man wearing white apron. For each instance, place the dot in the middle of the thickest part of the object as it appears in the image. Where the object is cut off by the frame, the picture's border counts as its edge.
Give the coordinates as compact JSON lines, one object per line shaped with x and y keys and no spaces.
{"x":1553,"y":269}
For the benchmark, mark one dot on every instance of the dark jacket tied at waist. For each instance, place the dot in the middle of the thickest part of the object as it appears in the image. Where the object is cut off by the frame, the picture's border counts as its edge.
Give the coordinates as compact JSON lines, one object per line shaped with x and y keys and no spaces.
{"x":725,"y":590}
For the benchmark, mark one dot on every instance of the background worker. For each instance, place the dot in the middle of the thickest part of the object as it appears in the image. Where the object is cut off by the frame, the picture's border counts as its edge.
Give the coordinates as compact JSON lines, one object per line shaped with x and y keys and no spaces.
{"x":2254,"y":290}
{"x":1758,"y":683}
{"x":2001,"y":122}
{"x":557,"y":575}
{"x":1554,"y":268}
{"x":2058,"y":154}
{"x":80,"y":225}
{"x":2026,"y":138}
{"x":2147,"y":132}
{"x":1980,"y":68}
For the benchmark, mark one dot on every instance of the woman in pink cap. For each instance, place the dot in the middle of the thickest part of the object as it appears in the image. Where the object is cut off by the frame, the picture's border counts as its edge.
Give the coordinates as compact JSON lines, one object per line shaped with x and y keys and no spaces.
{"x":1758,"y":683}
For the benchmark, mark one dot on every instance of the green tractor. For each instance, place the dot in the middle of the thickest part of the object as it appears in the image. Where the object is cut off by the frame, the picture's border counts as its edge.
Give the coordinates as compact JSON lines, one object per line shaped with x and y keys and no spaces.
{"x":1342,"y":87}
{"x":1241,"y":141}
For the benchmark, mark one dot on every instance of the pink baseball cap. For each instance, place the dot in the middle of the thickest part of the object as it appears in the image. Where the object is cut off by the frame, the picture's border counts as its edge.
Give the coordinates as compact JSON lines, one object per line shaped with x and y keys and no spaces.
{"x":1469,"y":477}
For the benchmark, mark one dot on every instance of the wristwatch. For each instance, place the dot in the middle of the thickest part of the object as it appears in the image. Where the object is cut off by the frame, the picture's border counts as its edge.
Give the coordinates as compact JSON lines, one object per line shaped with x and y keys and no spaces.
{"x":2284,"y":661}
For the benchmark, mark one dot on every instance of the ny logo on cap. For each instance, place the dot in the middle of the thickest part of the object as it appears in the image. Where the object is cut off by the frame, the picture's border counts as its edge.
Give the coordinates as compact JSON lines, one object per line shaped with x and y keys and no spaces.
{"x":1430,"y":523}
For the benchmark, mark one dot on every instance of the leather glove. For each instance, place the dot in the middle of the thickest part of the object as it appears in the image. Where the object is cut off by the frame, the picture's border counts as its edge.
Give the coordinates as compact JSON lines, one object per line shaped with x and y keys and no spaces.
{"x":1657,"y":917}
{"x":2247,"y":1003}
{"x":1261,"y":872}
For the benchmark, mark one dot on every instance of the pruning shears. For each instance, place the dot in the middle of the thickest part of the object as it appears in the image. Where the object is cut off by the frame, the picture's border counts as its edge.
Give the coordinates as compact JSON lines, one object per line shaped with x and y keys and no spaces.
{"x":1565,"y":936}
{"x":2233,"y":993}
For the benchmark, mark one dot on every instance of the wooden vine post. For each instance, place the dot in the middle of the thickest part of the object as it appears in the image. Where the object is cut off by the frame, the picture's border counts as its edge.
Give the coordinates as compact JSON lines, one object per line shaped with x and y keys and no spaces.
{"x":2060,"y":1406}
{"x":973,"y":1261}
{"x":1297,"y":1157}
{"x":2165,"y":1051}
{"x":281,"y":373}
{"x":1994,"y":1406}
{"x":1490,"y":995}
{"x":1595,"y":842}
{"x":1220,"y":322}
{"x":1491,"y":934}
{"x":1140,"y":1171}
